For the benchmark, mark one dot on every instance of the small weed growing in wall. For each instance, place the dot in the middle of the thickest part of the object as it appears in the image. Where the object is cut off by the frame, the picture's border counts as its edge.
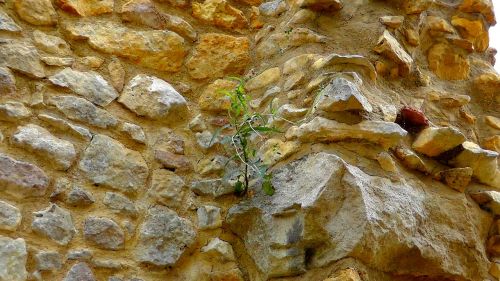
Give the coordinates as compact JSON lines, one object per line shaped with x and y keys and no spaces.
{"x":247,"y":130}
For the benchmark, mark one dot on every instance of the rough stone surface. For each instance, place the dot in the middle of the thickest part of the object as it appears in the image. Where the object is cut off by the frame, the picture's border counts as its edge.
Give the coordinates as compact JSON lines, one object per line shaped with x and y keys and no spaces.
{"x":341,"y":95}
{"x":120,"y":204}
{"x":48,"y":261}
{"x":8,"y":24}
{"x":81,"y":110}
{"x":160,"y":50}
{"x":21,"y":56}
{"x":217,"y":55}
{"x":54,"y":223}
{"x":386,"y":134}
{"x":10,"y":216}
{"x":151,"y":97}
{"x":80,"y":272}
{"x":167,"y":188}
{"x":86,"y":8}
{"x":89,"y":85}
{"x":7,"y":81}
{"x":390,"y":47}
{"x":36,"y":12}
{"x":13,"y":111}
{"x":109,"y":163}
{"x":297,"y":218}
{"x":163,"y":237}
{"x":483,"y":162}
{"x":13,"y":257}
{"x":40,"y":141}
{"x":64,"y":125}
{"x":209,"y":217}
{"x":219,"y":13}
{"x":22,"y":179}
{"x":220,"y":249}
{"x":434,"y":141}
{"x":50,"y":44}
{"x":104,"y":233}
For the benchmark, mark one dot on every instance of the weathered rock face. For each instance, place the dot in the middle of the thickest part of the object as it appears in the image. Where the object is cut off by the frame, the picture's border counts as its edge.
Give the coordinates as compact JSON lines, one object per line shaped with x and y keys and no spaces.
{"x":381,"y":140}
{"x":107,"y":162}
{"x":163,"y":237}
{"x":160,"y":50}
{"x":217,"y":55}
{"x":151,"y":97}
{"x":13,"y":259}
{"x":333,"y":210}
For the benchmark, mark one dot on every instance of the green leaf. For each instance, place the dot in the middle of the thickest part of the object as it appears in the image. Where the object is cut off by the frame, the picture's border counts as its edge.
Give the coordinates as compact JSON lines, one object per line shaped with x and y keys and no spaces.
{"x":238,"y":187}
{"x":267,"y":185}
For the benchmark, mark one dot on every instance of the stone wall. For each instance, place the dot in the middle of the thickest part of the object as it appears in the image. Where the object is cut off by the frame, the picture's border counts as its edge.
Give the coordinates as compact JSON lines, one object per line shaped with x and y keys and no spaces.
{"x":387,"y":167}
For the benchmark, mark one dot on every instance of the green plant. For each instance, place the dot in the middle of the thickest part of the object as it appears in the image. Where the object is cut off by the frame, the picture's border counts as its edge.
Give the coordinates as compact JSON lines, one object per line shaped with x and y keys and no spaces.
{"x":246,"y":129}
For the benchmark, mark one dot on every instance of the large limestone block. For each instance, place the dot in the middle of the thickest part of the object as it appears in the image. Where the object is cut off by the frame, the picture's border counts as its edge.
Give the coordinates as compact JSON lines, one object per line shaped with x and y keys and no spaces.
{"x":13,"y":258}
{"x":22,"y":179}
{"x":328,"y":210}
{"x":151,"y":97}
{"x":157,"y":49}
{"x":89,"y":85}
{"x":61,"y":153}
{"x":386,"y":134}
{"x":433,"y":141}
{"x":217,"y":55}
{"x":109,"y":163}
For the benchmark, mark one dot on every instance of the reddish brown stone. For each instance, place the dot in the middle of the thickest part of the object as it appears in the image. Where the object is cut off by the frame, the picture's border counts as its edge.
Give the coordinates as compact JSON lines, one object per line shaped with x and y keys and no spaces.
{"x":21,"y":179}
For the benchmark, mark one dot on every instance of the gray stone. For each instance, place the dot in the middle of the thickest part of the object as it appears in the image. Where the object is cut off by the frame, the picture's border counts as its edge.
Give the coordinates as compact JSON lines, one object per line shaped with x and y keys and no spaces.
{"x":59,"y":152}
{"x":21,"y":56}
{"x":48,"y":261}
{"x":273,"y":8}
{"x":212,"y":187}
{"x":167,"y":188}
{"x":80,"y":272}
{"x":22,"y":179}
{"x":341,"y":95}
{"x":8,"y":24}
{"x":109,"y":163}
{"x":197,"y":124}
{"x":89,"y":85}
{"x":10,"y":216}
{"x":332,"y":210}
{"x":134,"y":131}
{"x":163,"y":237}
{"x":80,"y":254}
{"x":151,"y":97}
{"x":104,"y":233}
{"x":80,"y":109}
{"x":120,"y":204}
{"x":110,"y":264}
{"x":64,"y":125}
{"x":7,"y":81}
{"x":13,"y":257}
{"x":209,"y":217}
{"x":219,"y":249}
{"x":13,"y":111}
{"x":79,"y":197}
{"x":51,"y":44}
{"x":55,"y":223}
